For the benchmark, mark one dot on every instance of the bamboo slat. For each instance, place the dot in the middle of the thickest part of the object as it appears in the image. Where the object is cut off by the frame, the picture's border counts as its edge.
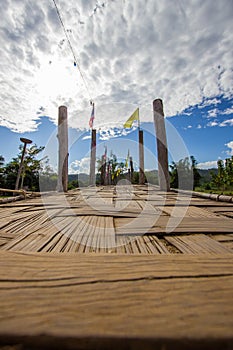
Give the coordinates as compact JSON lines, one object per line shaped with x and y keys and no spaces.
{"x":222,"y":237}
{"x":193,"y":244}
{"x":93,"y":219}
{"x":163,"y":301}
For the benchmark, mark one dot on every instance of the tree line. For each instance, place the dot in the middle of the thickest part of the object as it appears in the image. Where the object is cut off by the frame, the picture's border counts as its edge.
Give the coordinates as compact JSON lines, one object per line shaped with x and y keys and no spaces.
{"x":223,"y":180}
{"x":185,"y":175}
{"x":37,"y":174}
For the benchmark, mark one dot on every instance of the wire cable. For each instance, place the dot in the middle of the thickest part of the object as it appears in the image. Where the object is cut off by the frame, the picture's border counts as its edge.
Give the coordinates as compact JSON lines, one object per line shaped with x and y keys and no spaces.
{"x":71,"y":49}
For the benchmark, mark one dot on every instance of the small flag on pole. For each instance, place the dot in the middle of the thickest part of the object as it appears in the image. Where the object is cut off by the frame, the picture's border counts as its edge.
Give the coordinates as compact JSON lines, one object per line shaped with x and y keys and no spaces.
{"x":91,"y":121}
{"x":134,"y":116}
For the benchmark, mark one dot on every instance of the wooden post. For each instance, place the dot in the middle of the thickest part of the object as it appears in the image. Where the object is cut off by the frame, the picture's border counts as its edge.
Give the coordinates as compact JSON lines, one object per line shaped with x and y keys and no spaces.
{"x":109,"y":176}
{"x":128,"y":176}
{"x":131,"y":168}
{"x":141,"y":158}
{"x":160,"y":130}
{"x":63,"y":150}
{"x":25,"y":141}
{"x":103,"y":171}
{"x":93,"y":157}
{"x":106,"y":172}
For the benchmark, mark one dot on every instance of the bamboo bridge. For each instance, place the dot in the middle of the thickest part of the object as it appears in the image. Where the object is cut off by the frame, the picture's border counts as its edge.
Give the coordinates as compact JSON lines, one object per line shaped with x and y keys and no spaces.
{"x":129,"y":267}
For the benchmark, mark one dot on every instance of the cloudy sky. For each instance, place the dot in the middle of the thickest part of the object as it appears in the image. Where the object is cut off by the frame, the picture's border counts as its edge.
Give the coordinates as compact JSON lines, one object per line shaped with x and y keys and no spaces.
{"x":128,"y":53}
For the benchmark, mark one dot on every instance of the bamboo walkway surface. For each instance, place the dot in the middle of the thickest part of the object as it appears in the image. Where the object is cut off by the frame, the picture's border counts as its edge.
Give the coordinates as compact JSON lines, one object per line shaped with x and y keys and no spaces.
{"x":126,"y":267}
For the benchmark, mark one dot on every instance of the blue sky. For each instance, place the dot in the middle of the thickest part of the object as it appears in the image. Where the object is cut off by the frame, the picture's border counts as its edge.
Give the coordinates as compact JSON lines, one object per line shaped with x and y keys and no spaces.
{"x":129,"y":53}
{"x":205,"y":132}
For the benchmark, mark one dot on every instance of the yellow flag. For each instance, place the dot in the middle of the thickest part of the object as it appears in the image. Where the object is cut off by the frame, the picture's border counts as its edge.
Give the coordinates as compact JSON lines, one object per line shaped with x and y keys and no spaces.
{"x":134,"y":116}
{"x":127,"y":160}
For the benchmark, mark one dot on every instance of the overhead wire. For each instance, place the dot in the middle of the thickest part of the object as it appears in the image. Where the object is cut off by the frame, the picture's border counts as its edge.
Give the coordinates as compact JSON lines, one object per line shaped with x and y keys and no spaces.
{"x":72,"y":50}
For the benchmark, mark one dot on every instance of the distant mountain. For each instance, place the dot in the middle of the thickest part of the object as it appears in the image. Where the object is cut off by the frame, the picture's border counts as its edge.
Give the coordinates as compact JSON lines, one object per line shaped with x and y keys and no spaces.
{"x":82,"y":179}
{"x":72,"y":177}
{"x":151,"y":177}
{"x":206,"y":175}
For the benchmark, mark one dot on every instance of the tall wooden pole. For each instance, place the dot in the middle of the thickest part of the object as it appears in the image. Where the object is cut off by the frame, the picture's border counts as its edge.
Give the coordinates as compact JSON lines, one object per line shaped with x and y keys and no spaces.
{"x":131,"y":168}
{"x":109,"y":177}
{"x":25,"y":141}
{"x":93,"y":157}
{"x":103,"y":171}
{"x":141,"y":158}
{"x":63,"y":150}
{"x":106,"y":173}
{"x":160,"y":130}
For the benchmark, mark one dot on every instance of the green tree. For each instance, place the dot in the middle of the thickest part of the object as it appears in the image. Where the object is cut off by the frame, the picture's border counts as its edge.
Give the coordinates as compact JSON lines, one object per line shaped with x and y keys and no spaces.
{"x":10,"y":173}
{"x":114,"y":169}
{"x":217,"y":179}
{"x":48,"y":178}
{"x":135,"y":179}
{"x":229,"y":172}
{"x":2,"y":160}
{"x":73,"y":184}
{"x":31,"y":168}
{"x":196,"y":175}
{"x":118,"y":169}
{"x":184,"y":174}
{"x":223,"y":180}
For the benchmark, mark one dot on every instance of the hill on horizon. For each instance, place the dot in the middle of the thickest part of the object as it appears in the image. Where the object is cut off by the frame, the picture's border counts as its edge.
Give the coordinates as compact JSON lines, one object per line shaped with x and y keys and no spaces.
{"x":151,"y":177}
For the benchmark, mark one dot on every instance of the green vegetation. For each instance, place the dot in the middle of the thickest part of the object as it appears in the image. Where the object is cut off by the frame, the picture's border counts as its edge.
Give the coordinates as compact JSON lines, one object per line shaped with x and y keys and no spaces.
{"x":2,"y":160}
{"x":184,"y":174}
{"x":152,"y":177}
{"x":74,"y":181}
{"x":37,"y":174}
{"x":111,"y":170}
{"x":35,"y":171}
{"x":221,"y":179}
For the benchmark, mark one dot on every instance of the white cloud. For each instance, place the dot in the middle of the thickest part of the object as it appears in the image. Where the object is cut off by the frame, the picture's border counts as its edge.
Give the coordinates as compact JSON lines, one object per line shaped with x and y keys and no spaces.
{"x":230,"y":145}
{"x":87,"y":137}
{"x":180,"y":53}
{"x":188,"y":127}
{"x":228,"y":111}
{"x":207,"y":165}
{"x":107,"y":133}
{"x":80,"y":166}
{"x":199,"y":126}
{"x":213,"y":113}
{"x":228,"y":122}
{"x":209,"y":102}
{"x":211,"y":124}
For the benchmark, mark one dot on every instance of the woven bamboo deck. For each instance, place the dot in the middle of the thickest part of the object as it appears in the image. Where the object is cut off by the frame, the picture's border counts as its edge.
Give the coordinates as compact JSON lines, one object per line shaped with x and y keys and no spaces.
{"x":116,"y":267}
